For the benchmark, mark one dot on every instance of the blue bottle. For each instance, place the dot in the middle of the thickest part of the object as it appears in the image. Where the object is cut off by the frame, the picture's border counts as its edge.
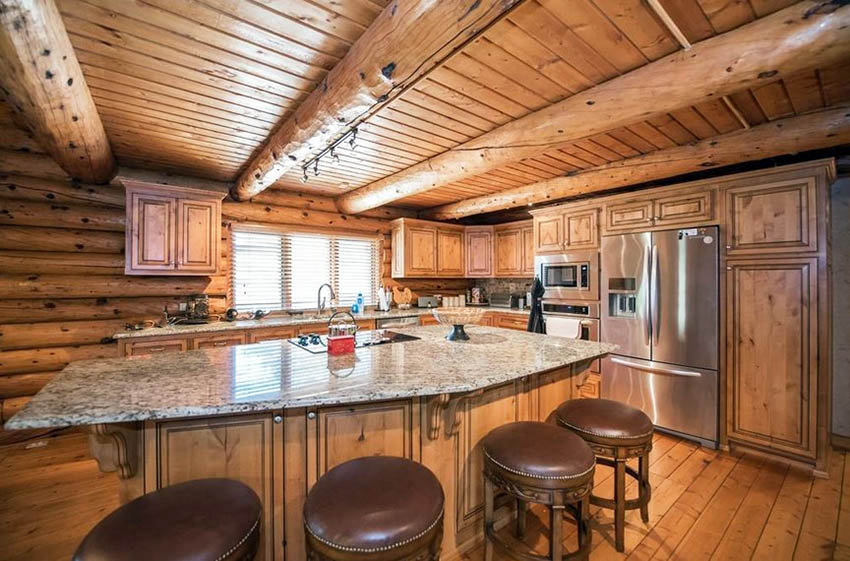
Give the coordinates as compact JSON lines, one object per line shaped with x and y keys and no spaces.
{"x":359,"y":303}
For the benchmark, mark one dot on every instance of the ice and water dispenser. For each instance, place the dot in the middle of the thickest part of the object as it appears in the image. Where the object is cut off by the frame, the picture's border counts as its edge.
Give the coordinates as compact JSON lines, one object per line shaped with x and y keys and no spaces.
{"x":622,"y":296}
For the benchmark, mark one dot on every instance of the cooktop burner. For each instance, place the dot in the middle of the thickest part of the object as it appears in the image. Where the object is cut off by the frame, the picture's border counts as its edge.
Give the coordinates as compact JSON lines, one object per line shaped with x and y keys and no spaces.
{"x":317,"y":344}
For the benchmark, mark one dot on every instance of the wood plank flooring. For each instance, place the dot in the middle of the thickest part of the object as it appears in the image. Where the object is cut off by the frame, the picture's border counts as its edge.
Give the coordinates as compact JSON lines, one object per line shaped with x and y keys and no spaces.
{"x":706,"y":505}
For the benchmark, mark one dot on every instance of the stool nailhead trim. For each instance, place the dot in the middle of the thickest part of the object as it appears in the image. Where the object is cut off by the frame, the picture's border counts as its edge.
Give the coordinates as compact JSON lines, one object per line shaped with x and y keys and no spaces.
{"x":376,"y":549}
{"x":524,"y":474}
{"x":240,"y":542}
{"x":586,"y":431}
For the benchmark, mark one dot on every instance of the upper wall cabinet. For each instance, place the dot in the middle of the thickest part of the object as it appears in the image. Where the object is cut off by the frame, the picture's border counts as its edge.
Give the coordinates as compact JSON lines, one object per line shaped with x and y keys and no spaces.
{"x":171,"y":230}
{"x":655,"y":211}
{"x":479,"y":251}
{"x":573,"y":230}
{"x":427,"y":249}
{"x":514,"y":249}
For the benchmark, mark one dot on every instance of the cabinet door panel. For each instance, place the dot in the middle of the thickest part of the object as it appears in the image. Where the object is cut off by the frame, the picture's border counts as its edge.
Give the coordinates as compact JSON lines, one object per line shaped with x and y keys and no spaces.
{"x":380,"y":429}
{"x":213,"y":341}
{"x":628,"y":216}
{"x":450,"y":253}
{"x":271,"y":334}
{"x":528,"y":251}
{"x":512,"y":321}
{"x":582,"y":230}
{"x":508,"y":252}
{"x":139,"y":348}
{"x":421,"y":251}
{"x":152,"y":219}
{"x":549,"y":233}
{"x":479,"y":253}
{"x":198,"y":234}
{"x":691,"y":208}
{"x":777,"y":217}
{"x":772,"y":353}
{"x":239,"y":448}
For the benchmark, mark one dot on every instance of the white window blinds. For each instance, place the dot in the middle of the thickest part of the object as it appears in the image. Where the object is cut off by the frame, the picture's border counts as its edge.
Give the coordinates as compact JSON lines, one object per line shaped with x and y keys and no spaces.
{"x":274,"y":271}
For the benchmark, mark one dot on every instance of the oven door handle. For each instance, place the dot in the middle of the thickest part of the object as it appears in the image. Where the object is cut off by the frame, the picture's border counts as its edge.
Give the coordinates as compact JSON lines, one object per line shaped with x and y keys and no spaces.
{"x":657,"y":369}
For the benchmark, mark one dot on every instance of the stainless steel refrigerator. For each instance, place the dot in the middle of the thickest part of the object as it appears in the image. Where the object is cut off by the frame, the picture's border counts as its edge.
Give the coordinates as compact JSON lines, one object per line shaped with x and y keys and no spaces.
{"x":659,"y":304}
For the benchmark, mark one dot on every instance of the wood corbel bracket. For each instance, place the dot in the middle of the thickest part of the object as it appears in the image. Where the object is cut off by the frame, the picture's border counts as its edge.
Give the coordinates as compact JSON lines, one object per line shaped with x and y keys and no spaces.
{"x":438,"y":404}
{"x":581,"y":371}
{"x":115,"y":447}
{"x":454,"y":411}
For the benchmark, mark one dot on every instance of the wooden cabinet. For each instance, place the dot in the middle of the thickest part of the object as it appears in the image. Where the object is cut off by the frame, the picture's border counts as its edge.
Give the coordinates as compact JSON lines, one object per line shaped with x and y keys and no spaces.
{"x":772,"y":353}
{"x":155,"y":346}
{"x":511,"y":321}
{"x":237,"y":447}
{"x":171,"y":230}
{"x":427,"y":249}
{"x":772,"y":217}
{"x":270,"y":334}
{"x":514,"y":249}
{"x":557,"y":231}
{"x":339,"y":434}
{"x":667,"y":208}
{"x":628,"y":216}
{"x":428,"y":319}
{"x":226,"y":339}
{"x":528,"y":250}
{"x":549,"y":233}
{"x":684,"y":208}
{"x":479,"y":251}
{"x":450,"y":259}
{"x":581,"y":229}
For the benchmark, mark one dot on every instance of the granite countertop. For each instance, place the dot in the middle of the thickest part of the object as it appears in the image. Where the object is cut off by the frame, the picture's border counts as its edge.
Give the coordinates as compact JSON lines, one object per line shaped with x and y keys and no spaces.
{"x":282,"y":321}
{"x":277,"y":374}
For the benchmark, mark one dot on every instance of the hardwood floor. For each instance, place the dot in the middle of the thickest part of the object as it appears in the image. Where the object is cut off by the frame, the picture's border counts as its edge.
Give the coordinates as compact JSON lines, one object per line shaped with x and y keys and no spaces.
{"x":706,"y":505}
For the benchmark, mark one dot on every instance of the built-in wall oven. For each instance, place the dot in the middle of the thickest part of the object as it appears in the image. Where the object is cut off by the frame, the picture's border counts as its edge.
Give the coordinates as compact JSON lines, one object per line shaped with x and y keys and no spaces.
{"x":569,"y":276}
{"x":586,"y":312}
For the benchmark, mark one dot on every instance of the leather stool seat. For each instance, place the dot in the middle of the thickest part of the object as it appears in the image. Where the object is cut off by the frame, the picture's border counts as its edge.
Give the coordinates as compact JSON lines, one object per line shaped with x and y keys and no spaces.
{"x":200,"y":520}
{"x":604,"y":421}
{"x":539,"y":451}
{"x":376,"y":507}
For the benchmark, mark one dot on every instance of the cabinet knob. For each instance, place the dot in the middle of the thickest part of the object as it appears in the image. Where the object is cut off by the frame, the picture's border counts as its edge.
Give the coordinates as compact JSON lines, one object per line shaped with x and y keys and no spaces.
{"x":277,"y":419}
{"x":311,"y":415}
{"x":728,"y":247}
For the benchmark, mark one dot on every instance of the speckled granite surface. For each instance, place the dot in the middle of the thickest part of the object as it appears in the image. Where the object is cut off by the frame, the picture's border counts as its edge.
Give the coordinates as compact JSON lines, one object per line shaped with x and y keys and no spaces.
{"x":277,"y":374}
{"x":279,"y":321}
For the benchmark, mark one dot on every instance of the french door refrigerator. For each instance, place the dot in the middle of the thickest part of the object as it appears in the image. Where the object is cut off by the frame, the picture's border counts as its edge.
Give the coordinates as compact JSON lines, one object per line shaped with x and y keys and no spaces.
{"x":659,"y":304}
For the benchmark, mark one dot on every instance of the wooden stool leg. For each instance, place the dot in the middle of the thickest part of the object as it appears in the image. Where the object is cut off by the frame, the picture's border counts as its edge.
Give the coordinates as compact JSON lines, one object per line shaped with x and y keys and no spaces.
{"x":619,"y":504}
{"x":556,"y":532}
{"x":643,"y":487}
{"x":488,"y":518}
{"x":580,"y":510}
{"x":520,"y":518}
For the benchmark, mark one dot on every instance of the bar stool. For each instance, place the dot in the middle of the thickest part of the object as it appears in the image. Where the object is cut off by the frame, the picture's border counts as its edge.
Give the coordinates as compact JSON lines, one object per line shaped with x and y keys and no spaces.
{"x":615,"y":432}
{"x":377,"y":508}
{"x":540,"y":463}
{"x":200,"y":520}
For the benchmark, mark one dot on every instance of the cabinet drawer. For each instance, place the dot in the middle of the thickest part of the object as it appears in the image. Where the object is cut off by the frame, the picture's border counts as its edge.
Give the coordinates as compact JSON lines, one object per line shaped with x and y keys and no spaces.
{"x":270,"y":334}
{"x":511,"y":321}
{"x":139,"y":348}
{"x":626,"y":216}
{"x":212,"y":341}
{"x":691,"y":208}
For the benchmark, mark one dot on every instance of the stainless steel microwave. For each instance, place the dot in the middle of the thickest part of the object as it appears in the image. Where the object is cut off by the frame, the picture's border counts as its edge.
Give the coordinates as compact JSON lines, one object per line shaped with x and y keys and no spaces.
{"x":572,"y":276}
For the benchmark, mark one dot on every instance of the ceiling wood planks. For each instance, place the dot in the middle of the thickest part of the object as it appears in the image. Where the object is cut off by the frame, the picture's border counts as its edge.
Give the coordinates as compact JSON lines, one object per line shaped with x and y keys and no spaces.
{"x":794,"y":39}
{"x":43,"y":83}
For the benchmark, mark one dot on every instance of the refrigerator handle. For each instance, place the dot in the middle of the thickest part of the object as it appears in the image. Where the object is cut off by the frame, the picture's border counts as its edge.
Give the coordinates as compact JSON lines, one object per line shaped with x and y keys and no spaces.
{"x":653,"y":290}
{"x":647,"y":319}
{"x":656,"y":369}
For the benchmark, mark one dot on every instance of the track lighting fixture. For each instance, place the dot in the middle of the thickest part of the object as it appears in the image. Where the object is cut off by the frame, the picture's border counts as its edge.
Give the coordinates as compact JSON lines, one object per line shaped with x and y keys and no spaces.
{"x":350,"y":136}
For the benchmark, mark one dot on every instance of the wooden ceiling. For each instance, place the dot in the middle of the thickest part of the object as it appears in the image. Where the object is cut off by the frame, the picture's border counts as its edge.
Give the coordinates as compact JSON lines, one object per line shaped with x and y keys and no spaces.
{"x":196,"y":86}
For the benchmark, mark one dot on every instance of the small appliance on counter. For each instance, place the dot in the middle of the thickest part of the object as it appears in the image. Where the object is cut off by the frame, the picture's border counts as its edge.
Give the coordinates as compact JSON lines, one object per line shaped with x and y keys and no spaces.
{"x":427,"y":302}
{"x":505,"y":299}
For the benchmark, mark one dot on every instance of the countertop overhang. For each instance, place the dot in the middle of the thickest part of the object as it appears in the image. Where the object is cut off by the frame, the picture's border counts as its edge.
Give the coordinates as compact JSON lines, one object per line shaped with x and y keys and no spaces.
{"x":278,"y":375}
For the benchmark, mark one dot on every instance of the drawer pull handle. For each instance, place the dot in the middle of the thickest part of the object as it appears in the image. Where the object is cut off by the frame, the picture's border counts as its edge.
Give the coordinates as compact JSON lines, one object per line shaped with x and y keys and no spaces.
{"x":219,"y":343}
{"x":156,"y":349}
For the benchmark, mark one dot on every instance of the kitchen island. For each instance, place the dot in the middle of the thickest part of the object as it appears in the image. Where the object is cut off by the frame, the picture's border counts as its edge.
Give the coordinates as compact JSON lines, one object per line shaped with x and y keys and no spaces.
{"x":277,"y":417}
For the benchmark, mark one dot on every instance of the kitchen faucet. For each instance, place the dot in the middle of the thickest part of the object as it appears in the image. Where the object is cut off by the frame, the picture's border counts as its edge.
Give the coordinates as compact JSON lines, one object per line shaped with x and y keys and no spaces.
{"x":320,"y":303}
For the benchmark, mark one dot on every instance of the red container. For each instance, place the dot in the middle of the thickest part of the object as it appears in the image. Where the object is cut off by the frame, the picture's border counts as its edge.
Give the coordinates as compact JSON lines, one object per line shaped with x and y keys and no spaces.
{"x":341,"y":345}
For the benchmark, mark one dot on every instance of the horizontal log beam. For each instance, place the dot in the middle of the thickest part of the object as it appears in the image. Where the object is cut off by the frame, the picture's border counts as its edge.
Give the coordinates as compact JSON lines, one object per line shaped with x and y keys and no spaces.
{"x":27,"y":310}
{"x":808,"y":34}
{"x":43,"y":83}
{"x":58,"y":333}
{"x":48,"y":262}
{"x":64,"y":192}
{"x":786,"y":136}
{"x":54,"y":358}
{"x":19,"y":385}
{"x":16,"y":212}
{"x":273,"y":214}
{"x":310,"y":201}
{"x":36,"y":165}
{"x":404,"y":43}
{"x":106,"y":286}
{"x":60,"y":239}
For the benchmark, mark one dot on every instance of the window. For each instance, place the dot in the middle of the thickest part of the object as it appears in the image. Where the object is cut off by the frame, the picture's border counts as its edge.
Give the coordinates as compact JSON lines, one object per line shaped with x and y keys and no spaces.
{"x":275,"y":271}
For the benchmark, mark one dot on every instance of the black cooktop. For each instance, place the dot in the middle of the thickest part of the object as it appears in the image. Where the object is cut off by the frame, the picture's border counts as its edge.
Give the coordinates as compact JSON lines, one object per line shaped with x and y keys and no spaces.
{"x":317,"y":344}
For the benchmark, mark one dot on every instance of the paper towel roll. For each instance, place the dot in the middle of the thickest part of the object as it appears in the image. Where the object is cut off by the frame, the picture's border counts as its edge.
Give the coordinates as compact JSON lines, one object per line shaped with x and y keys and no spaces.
{"x":563,"y":327}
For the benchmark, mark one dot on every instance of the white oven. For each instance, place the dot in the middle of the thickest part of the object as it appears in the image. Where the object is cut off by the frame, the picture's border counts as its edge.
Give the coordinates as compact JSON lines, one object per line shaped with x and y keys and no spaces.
{"x":569,"y":276}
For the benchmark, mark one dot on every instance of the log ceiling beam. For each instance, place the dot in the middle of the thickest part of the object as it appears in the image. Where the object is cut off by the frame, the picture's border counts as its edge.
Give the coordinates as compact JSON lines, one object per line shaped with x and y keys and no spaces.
{"x":43,"y":83}
{"x":812,"y":131}
{"x":809,"y":34}
{"x":404,"y":43}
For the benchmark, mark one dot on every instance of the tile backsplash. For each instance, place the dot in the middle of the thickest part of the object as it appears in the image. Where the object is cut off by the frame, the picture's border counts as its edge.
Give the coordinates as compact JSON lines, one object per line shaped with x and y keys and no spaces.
{"x":504,"y":285}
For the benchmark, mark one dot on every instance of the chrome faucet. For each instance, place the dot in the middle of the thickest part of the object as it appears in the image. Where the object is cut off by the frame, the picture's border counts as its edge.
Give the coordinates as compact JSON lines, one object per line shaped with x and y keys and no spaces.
{"x":320,"y":302}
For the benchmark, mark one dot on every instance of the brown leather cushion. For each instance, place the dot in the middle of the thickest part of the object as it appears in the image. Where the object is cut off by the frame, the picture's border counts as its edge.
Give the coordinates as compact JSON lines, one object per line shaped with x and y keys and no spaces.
{"x":201,"y":520}
{"x":373,"y":503}
{"x":539,"y":450}
{"x":599,"y":420}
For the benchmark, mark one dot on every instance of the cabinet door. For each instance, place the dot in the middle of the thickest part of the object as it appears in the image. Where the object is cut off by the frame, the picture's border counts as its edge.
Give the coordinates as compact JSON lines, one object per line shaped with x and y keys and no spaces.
{"x":450,"y":253}
{"x":512,"y":321}
{"x":213,"y":341}
{"x":421,"y":251}
{"x":629,"y":216}
{"x":428,"y":319}
{"x":372,"y":429}
{"x":487,"y":319}
{"x":479,"y":253}
{"x":528,"y":251}
{"x":138,"y":348}
{"x":779,"y":217}
{"x":240,"y":448}
{"x":397,"y":249}
{"x":582,"y":231}
{"x":549,"y":233}
{"x":270,"y":334}
{"x":198,"y":232}
{"x":508,"y":252}
{"x":689,"y":208}
{"x":152,"y":220}
{"x":772,"y":353}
